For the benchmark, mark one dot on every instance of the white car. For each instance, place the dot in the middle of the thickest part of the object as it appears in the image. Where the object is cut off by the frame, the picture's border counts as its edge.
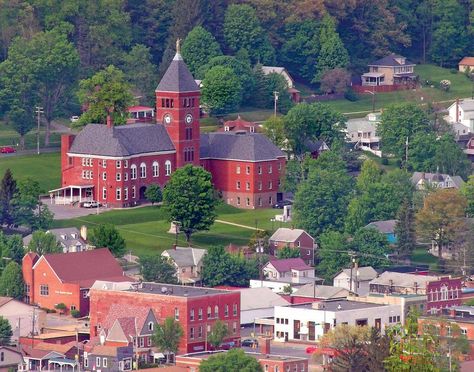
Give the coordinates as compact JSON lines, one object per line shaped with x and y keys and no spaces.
{"x":74,"y":119}
{"x":91,"y":204}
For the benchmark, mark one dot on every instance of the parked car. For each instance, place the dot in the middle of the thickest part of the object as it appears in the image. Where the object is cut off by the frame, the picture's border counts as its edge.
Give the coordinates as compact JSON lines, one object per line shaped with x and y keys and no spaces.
{"x":311,"y":349}
{"x":249,"y":342}
{"x":91,"y":204}
{"x":7,"y":150}
{"x":227,"y":345}
{"x":74,"y":118}
{"x":282,"y":203}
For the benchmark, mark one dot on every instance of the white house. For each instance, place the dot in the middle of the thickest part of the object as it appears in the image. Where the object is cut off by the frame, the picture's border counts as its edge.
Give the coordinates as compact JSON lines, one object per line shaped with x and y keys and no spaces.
{"x":309,"y":322}
{"x":71,"y":239}
{"x":360,"y":276}
{"x":20,"y":316}
{"x":462,"y":111}
{"x":280,"y":71}
{"x":294,"y":269}
{"x":187,"y":262}
{"x":258,"y":303}
{"x":439,"y":180}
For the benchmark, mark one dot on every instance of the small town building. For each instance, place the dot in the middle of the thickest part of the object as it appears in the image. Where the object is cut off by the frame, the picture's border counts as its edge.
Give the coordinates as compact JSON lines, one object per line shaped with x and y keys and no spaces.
{"x":386,"y":227}
{"x":314,"y":293}
{"x":20,"y":316}
{"x":437,"y":180}
{"x":293,"y":238}
{"x":140,"y":114}
{"x":462,"y":111}
{"x":443,"y":293}
{"x":67,"y":277}
{"x":195,"y":308}
{"x":316,"y":148}
{"x":71,"y":239}
{"x":10,"y":358}
{"x":258,"y":303}
{"x":293,"y":269}
{"x":239,"y":124}
{"x":391,"y":282}
{"x":44,"y":360}
{"x":294,"y":93}
{"x":108,"y":358}
{"x":310,"y":321}
{"x":355,"y":280}
{"x":188,"y":263}
{"x":362,"y":133}
{"x":390,"y":70}
{"x":466,"y":64}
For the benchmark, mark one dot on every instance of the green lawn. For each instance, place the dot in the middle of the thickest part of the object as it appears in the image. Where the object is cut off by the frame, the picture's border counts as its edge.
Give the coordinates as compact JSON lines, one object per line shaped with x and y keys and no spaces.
{"x":44,"y":168}
{"x":8,"y":137}
{"x":421,"y":256}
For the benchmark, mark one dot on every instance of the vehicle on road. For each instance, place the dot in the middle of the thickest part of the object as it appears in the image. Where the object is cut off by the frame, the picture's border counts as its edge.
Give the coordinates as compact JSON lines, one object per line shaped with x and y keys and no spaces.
{"x":7,"y":150}
{"x":249,"y":342}
{"x":91,"y":204}
{"x":282,"y":203}
{"x":74,"y":118}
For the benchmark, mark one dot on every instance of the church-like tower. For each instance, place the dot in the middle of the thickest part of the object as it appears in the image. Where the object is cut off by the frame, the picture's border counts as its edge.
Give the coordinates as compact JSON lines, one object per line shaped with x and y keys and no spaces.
{"x":177,"y":108}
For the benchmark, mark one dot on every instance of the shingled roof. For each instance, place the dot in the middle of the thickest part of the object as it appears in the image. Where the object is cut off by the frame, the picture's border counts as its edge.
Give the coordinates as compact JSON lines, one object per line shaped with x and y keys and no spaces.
{"x":177,"y":77}
{"x":122,"y":140}
{"x":238,"y":146}
{"x":391,"y":60}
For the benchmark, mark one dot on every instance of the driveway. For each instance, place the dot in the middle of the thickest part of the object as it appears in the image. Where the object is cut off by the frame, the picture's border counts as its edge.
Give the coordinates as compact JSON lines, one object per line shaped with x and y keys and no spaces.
{"x":65,"y":212}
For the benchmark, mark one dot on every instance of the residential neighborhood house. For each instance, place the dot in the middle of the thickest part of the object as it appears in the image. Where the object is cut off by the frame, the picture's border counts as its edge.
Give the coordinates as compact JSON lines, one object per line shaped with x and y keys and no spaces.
{"x":466,"y":64}
{"x":462,"y":111}
{"x":20,"y":316}
{"x":71,"y":239}
{"x":355,"y":280}
{"x":293,"y":238}
{"x":294,"y":270}
{"x":188,"y":263}
{"x":436,"y":180}
{"x":385,"y":227}
{"x":10,"y":358}
{"x":390,"y":70}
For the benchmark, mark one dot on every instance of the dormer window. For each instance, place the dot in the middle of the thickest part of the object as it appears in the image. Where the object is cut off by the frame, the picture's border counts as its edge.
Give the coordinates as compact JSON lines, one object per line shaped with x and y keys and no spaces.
{"x":226,"y":129}
{"x":150,"y":326}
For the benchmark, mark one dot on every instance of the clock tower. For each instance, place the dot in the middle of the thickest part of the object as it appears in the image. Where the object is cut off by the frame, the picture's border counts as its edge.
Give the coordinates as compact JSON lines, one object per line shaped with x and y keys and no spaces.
{"x":177,"y":108}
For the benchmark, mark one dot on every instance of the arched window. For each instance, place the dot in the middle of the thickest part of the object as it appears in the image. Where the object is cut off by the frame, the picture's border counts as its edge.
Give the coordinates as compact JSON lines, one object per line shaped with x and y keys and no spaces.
{"x":156,"y":169}
{"x":142,"y":170}
{"x":216,"y":311}
{"x":209,"y":312}
{"x":133,"y":172}
{"x":167,"y":167}
{"x":444,"y":292}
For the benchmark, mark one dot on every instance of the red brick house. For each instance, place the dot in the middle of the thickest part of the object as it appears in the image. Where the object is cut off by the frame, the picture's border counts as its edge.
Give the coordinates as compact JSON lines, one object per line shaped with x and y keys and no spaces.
{"x":67,"y":277}
{"x":443,"y":293}
{"x":293,"y":238}
{"x":115,"y":164}
{"x":195,"y":308}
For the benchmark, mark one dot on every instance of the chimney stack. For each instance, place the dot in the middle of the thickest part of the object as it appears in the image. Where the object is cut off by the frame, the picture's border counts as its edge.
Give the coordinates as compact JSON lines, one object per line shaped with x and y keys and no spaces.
{"x":110,"y":121}
{"x":264,"y":343}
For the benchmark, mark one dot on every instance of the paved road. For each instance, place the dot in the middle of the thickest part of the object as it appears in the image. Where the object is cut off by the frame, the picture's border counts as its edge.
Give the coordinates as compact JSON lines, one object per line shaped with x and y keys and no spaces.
{"x":65,"y":212}
{"x":30,"y":152}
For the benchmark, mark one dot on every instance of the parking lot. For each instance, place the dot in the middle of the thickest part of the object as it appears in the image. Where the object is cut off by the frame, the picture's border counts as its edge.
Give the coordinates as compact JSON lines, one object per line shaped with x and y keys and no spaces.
{"x":64,"y":212}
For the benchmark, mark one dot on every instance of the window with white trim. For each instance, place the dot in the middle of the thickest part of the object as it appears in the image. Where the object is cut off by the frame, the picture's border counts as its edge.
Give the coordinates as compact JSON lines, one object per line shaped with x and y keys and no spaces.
{"x":97,"y":361}
{"x":270,"y":185}
{"x":104,"y":362}
{"x":237,"y":169}
{"x":125,"y":163}
{"x":156,"y":169}
{"x":125,"y":193}
{"x":104,"y":163}
{"x":86,"y":361}
{"x":118,"y":193}
{"x":142,"y":170}
{"x":167,"y":168}
{"x":238,"y":200}
{"x":216,"y":311}
{"x":104,"y":176}
{"x":247,"y":186}
{"x":247,"y":202}
{"x":191,"y":333}
{"x":134,"y":192}
{"x":191,"y":314}
{"x":200,"y":332}
{"x":200,"y":313}
{"x":104,"y":193}
{"x":44,"y":290}
{"x":226,"y":310}
{"x":247,"y":169}
{"x":234,"y":309}
{"x":270,"y":169}
{"x":237,"y":185}
{"x":133,"y":172}
{"x":176,"y":313}
{"x":259,"y":169}
{"x":118,"y":177}
{"x":118,"y":164}
{"x":125,"y":176}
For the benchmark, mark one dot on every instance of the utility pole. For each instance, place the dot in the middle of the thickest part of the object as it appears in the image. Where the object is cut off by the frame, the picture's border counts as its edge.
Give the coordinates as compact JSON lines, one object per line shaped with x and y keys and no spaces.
{"x":352,"y":255}
{"x":406,"y":155}
{"x":275,"y":99}
{"x":39,"y":111}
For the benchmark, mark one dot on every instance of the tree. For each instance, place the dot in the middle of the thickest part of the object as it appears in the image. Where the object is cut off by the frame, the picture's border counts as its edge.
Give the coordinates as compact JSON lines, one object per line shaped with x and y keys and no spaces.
{"x":221,"y":90}
{"x":372,"y":247}
{"x":233,"y":360}
{"x":441,"y":217}
{"x":274,"y":129}
{"x":153,"y":193}
{"x":218,"y":332}
{"x":405,"y":229}
{"x":107,"y":236}
{"x":467,"y":190}
{"x":11,"y":281}
{"x":189,"y":199}
{"x":167,"y":336}
{"x":259,"y":240}
{"x":332,"y":53}
{"x":11,"y":246}
{"x":277,"y":83}
{"x":335,"y":81}
{"x":158,"y":269}
{"x":5,"y":331}
{"x":450,"y":158}
{"x":332,"y":254}
{"x":7,"y":193}
{"x":399,"y":122}
{"x":370,"y":173}
{"x":107,"y":93}
{"x":287,"y":252}
{"x":198,"y":48}
{"x":44,"y":242}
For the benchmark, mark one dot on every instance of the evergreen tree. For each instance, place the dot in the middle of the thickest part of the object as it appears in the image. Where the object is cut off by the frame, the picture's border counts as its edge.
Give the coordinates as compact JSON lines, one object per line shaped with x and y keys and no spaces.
{"x":199,"y":48}
{"x":405,"y":229}
{"x":11,"y":281}
{"x":7,"y":192}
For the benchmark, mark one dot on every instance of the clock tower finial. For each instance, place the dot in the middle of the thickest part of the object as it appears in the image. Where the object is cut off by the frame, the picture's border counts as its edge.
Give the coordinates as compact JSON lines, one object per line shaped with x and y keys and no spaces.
{"x":178,"y":46}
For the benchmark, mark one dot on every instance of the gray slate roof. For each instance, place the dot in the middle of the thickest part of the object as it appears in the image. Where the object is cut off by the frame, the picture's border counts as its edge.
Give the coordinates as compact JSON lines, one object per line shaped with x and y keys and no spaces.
{"x":186,"y":256}
{"x":260,"y":298}
{"x":403,"y":279}
{"x":177,"y":77}
{"x":285,"y":234}
{"x":435,"y":177}
{"x":467,"y":104}
{"x":385,"y":227}
{"x":238,"y":146}
{"x":122,"y":140}
{"x":390,"y":61}
{"x":321,"y":291}
{"x":361,"y":274}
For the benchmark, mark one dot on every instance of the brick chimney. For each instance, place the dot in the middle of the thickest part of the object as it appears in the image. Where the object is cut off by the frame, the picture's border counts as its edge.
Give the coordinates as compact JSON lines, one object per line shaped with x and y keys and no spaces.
{"x":264,"y":343}
{"x":110,"y":121}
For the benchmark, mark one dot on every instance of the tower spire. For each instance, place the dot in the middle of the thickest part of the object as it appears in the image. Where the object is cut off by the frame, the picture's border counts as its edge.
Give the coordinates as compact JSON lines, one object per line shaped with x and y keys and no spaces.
{"x":178,"y":46}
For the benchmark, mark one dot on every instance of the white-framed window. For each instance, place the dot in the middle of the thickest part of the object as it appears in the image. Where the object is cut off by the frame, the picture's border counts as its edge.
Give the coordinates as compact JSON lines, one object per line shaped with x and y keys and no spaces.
{"x":238,"y":200}
{"x":156,"y":169}
{"x":118,"y":193}
{"x":247,"y":169}
{"x":104,"y":193}
{"x":125,"y":193}
{"x":191,"y":314}
{"x":270,"y":169}
{"x":209,"y":312}
{"x":464,"y":331}
{"x":104,"y":163}
{"x":86,"y":361}
{"x":97,"y":361}
{"x":104,"y":362}
{"x":200,"y":332}
{"x":237,"y":169}
{"x":176,"y":313}
{"x":270,"y":200}
{"x":226,"y":310}
{"x":259,"y":169}
{"x":234,"y":327}
{"x":125,"y":163}
{"x":125,"y":176}
{"x":44,"y":290}
{"x":200,"y":313}
{"x":104,"y":176}
{"x":234,"y":309}
{"x":118,"y":164}
{"x":149,"y":341}
{"x":118,"y":176}
{"x":134,"y":192}
{"x":73,"y":307}
{"x":237,"y":185}
{"x":247,"y":186}
{"x":270,"y":185}
{"x":133,"y":172}
{"x":259,"y":185}
{"x":150,"y":326}
{"x":142,"y":170}
{"x":216,"y":311}
{"x":191,"y":333}
{"x":247,"y":202}
{"x":167,"y":167}
{"x":142,"y":342}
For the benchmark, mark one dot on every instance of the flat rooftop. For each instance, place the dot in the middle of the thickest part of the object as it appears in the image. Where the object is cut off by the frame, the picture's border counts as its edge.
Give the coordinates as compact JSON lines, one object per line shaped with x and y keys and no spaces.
{"x":258,"y":356}
{"x":340,"y":305}
{"x":175,"y":290}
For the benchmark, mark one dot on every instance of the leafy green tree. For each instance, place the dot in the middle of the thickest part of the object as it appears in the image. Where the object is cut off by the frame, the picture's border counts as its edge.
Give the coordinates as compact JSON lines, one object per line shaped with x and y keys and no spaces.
{"x":218,"y":333}
{"x":43,"y":243}
{"x":233,"y":360}
{"x":221,"y":90}
{"x":310,"y":122}
{"x":274,"y":129}
{"x":107,"y":236}
{"x":422,"y":151}
{"x":277,"y":83}
{"x":399,"y":122}
{"x":467,"y":190}
{"x":189,"y":199}
{"x":5,"y":331}
{"x":450,"y":158}
{"x":153,"y":193}
{"x":242,"y":30}
{"x":370,"y":173}
{"x":167,"y":336}
{"x":61,"y":307}
{"x":199,"y":48}
{"x":332,"y":53}
{"x":372,"y":247}
{"x":141,"y":73}
{"x":336,"y":80}
{"x":105,"y":93}
{"x":259,"y":239}
{"x":287,"y":252}
{"x":158,"y":269}
{"x":11,"y":281}
{"x":11,"y":246}
{"x":405,"y":229}
{"x":7,"y":193}
{"x":332,"y":254}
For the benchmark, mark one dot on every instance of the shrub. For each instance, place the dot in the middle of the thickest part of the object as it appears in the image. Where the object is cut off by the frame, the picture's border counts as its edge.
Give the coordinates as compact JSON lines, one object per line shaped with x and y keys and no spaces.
{"x":61,"y":307}
{"x":75,"y":313}
{"x":384,"y":161}
{"x":453,"y":71}
{"x":445,"y":85}
{"x":350,"y":95}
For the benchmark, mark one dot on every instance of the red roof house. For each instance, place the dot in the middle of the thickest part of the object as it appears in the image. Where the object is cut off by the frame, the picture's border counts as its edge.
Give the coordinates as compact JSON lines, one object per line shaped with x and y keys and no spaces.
{"x":239,"y":124}
{"x":67,"y":277}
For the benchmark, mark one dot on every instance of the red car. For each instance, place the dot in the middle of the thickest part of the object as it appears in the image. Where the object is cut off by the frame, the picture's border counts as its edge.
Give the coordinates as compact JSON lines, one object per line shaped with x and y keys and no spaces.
{"x":7,"y":150}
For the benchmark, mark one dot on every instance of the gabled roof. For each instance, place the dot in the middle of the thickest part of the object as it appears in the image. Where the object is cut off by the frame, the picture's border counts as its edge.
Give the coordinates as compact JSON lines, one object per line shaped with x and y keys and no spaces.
{"x":384,"y":227}
{"x":177,"y":77}
{"x":67,"y":232}
{"x":391,"y":60}
{"x":468,"y":61}
{"x":85,"y":267}
{"x":403,"y":279}
{"x":186,"y":256}
{"x":362,"y":273}
{"x":105,"y":350}
{"x":321,"y":291}
{"x":119,"y":311}
{"x":287,"y":235}
{"x":238,"y":146}
{"x":435,"y":177}
{"x":121,"y":140}
{"x":288,"y":264}
{"x":260,"y":298}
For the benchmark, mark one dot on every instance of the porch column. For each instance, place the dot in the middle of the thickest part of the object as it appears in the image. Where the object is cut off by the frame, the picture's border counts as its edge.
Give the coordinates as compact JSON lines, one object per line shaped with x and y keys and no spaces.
{"x":80,"y":195}
{"x":70,"y":189}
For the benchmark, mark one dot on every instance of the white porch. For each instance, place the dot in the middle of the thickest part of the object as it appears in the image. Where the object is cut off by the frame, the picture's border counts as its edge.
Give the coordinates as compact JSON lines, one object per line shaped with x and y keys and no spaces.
{"x":72,"y":194}
{"x":373,"y":79}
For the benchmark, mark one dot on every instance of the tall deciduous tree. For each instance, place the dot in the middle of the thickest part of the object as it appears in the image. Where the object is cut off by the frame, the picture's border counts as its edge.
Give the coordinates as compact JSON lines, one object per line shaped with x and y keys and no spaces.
{"x":274,"y":129}
{"x":153,"y":193}
{"x":221,"y":90}
{"x":11,"y":281}
{"x":372,"y":247}
{"x":370,"y":173}
{"x":336,"y":80}
{"x":467,"y":190}
{"x":189,"y":199}
{"x":105,"y":93}
{"x":199,"y":48}
{"x":11,"y":247}
{"x":218,"y":332}
{"x":233,"y":360}
{"x":5,"y":331}
{"x":167,"y":336}
{"x":450,"y":158}
{"x":44,"y":242}
{"x":107,"y":236}
{"x":405,"y":229}
{"x":331,"y":254}
{"x":158,"y":269}
{"x":288,"y":252}
{"x":7,"y":193}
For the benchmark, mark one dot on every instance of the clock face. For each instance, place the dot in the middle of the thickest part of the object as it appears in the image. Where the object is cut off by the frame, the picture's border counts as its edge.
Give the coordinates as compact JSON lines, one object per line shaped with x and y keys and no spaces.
{"x":189,"y":119}
{"x":167,"y":119}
